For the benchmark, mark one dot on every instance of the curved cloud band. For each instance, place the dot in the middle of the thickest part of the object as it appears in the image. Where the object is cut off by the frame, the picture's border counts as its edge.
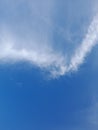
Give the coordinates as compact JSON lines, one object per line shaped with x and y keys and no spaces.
{"x":42,"y":53}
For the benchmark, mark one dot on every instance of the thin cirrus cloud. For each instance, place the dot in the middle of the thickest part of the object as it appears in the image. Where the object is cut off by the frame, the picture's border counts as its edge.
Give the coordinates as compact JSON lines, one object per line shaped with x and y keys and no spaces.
{"x":27,"y":32}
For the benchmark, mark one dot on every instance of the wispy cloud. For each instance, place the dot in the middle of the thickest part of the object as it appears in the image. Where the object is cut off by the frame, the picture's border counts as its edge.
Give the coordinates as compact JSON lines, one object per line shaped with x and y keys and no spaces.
{"x":88,"y":43}
{"x":36,"y":45}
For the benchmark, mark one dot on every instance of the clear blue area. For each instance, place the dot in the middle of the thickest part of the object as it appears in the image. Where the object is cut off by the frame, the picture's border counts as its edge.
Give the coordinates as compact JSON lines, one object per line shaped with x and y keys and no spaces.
{"x":29,"y":101}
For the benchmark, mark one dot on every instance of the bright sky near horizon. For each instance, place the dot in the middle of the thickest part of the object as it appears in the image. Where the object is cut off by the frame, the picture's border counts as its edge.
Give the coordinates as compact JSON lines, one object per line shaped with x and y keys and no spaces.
{"x":48,"y":65}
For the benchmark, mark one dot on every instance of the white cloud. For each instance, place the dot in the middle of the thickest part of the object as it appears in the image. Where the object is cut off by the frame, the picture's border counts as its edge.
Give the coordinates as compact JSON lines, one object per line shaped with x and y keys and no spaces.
{"x":88,"y":43}
{"x":32,"y":40}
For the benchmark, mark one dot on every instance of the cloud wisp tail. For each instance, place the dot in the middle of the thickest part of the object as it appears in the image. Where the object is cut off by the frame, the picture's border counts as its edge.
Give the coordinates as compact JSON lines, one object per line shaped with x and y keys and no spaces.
{"x":54,"y":62}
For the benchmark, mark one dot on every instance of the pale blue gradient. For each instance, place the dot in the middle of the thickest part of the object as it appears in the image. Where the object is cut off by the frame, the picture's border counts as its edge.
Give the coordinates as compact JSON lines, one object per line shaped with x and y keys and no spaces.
{"x":30,"y":97}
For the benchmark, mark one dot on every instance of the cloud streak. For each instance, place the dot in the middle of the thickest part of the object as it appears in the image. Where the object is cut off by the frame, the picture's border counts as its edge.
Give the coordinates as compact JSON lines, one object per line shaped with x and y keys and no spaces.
{"x":83,"y":49}
{"x":88,"y":43}
{"x":36,"y":45}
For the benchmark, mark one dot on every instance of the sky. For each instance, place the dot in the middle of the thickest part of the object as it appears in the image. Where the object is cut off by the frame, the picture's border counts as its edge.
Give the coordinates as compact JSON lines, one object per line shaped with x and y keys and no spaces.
{"x":48,"y":65}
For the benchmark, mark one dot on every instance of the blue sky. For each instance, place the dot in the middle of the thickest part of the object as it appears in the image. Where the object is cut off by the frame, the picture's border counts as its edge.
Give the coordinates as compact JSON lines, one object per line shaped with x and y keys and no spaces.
{"x":48,"y":65}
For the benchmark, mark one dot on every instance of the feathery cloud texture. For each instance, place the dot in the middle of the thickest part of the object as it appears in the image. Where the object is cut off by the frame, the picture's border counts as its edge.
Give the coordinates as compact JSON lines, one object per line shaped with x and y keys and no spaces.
{"x":31,"y":31}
